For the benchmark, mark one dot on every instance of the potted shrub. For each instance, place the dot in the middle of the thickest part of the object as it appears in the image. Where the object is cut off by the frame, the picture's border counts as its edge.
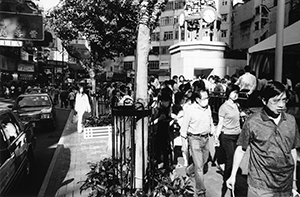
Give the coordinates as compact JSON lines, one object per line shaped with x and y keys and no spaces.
{"x":97,"y":127}
{"x":110,"y":177}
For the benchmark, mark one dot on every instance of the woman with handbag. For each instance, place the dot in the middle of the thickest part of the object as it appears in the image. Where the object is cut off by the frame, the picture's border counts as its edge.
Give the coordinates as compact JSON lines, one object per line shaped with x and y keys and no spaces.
{"x":82,"y":105}
{"x":228,"y":129}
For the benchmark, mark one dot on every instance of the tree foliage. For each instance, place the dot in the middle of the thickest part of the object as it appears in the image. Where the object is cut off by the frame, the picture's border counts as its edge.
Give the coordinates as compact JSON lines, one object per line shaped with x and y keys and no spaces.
{"x":110,"y":26}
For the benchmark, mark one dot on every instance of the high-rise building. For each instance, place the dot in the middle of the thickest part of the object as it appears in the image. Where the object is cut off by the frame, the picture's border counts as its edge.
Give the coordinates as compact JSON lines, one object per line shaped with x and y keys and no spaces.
{"x":165,"y":35}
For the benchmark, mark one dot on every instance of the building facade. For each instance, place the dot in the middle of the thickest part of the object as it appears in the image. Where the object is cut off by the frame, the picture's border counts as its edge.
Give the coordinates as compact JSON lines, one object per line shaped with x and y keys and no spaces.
{"x":255,"y":20}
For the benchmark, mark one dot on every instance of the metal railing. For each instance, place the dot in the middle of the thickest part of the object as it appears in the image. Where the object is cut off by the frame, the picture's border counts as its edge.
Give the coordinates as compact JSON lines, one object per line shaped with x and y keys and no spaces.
{"x":125,"y":119}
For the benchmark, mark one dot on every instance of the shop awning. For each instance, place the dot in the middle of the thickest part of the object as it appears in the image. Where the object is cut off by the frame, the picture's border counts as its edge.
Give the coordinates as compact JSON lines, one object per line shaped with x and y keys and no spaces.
{"x":291,"y":37}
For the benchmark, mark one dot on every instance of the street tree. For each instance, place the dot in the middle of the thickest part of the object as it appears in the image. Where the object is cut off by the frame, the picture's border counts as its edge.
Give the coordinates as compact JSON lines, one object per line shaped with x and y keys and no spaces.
{"x":110,"y":27}
{"x":113,"y":27}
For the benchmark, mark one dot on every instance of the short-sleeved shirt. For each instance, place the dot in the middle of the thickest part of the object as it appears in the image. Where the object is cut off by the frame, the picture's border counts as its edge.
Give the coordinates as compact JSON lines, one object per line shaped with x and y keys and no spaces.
{"x":271,"y":164}
{"x":230,"y":113}
{"x":196,"y":120}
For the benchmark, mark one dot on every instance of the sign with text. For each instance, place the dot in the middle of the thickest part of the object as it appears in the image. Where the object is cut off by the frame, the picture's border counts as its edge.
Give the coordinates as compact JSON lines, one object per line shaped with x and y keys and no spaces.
{"x":26,"y":67}
{"x":21,"y":26}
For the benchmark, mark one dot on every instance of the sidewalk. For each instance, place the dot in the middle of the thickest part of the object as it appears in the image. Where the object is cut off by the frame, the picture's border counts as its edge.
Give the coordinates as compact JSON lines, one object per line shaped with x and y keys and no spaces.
{"x":69,"y":162}
{"x":69,"y":165}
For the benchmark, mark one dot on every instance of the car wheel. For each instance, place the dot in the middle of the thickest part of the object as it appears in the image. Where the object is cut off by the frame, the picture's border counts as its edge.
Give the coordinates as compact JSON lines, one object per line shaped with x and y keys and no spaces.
{"x":30,"y":162}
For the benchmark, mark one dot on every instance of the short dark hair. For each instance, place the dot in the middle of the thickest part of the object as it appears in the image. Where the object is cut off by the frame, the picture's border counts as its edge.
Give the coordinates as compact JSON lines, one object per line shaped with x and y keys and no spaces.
{"x":196,"y":95}
{"x":178,"y":97}
{"x":199,"y":85}
{"x":230,"y":88}
{"x":164,"y":97}
{"x":247,"y":68}
{"x":272,"y":89}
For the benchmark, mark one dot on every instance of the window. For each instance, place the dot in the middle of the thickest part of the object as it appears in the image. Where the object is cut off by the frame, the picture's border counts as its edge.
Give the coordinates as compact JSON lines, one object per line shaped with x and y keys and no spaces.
{"x":168,"y":35}
{"x":182,"y":35}
{"x":33,"y":101}
{"x":10,"y":128}
{"x":164,"y":50}
{"x":179,"y":4}
{"x":128,"y":65}
{"x":176,"y":34}
{"x":224,"y":17}
{"x":255,"y":40}
{"x":155,"y":36}
{"x":264,"y":36}
{"x":169,"y":6}
{"x":257,"y":10}
{"x":153,"y":65}
{"x":256,"y":25}
{"x":154,"y":51}
{"x":4,"y":152}
{"x":275,"y":2}
{"x":224,"y":3}
{"x":164,"y":21}
{"x":224,"y":33}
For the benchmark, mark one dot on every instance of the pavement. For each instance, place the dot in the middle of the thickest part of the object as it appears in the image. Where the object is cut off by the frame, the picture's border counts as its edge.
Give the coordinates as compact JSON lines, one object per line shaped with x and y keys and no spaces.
{"x":69,"y":165}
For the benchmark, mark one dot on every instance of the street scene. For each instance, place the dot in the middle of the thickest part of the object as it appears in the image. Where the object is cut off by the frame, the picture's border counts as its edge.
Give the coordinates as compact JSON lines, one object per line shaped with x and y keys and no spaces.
{"x":196,"y":98}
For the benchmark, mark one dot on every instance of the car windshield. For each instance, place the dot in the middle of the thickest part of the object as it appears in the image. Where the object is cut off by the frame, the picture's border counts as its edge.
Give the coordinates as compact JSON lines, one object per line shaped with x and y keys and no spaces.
{"x":33,"y":101}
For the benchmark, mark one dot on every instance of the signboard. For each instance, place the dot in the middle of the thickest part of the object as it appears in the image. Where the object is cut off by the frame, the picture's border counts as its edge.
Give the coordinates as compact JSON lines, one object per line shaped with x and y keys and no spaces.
{"x":11,"y":43}
{"x":21,"y":26}
{"x":26,"y":67}
{"x":25,"y":76}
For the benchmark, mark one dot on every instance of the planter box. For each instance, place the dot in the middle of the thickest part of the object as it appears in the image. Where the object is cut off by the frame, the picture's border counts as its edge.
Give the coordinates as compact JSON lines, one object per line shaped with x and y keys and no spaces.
{"x":97,"y":132}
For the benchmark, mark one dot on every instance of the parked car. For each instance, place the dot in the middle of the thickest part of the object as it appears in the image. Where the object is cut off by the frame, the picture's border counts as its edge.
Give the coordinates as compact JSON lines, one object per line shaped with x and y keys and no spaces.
{"x":17,"y":142}
{"x":38,"y":108}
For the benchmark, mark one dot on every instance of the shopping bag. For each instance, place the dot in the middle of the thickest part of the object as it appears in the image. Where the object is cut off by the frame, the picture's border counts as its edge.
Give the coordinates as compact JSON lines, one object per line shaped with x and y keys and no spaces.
{"x":75,"y":118}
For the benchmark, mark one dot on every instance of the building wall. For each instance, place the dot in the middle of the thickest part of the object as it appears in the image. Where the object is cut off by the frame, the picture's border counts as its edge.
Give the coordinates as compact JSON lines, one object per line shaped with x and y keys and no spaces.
{"x":225,"y":11}
{"x":247,"y":29}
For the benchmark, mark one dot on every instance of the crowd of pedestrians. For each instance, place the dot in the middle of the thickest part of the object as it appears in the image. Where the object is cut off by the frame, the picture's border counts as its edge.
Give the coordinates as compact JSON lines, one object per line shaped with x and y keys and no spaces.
{"x":271,"y":134}
{"x":183,"y":126}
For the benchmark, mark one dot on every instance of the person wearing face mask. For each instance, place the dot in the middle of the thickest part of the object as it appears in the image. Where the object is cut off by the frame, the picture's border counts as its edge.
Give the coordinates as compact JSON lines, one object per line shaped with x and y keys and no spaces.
{"x":82,"y":105}
{"x":228,"y":129}
{"x":273,"y":138}
{"x":197,"y":125}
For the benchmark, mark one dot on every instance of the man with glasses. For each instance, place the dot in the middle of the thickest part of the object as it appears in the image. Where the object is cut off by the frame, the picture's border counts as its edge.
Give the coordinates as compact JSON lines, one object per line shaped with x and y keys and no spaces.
{"x":273,"y":138}
{"x":196,"y":126}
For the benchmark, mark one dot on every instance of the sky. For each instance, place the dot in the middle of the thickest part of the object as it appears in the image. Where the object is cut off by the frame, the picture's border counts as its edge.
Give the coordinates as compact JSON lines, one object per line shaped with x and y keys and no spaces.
{"x":47,"y":4}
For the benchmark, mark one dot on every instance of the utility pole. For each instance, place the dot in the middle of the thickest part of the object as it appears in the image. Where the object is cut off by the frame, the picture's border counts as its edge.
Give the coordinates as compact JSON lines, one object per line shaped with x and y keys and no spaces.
{"x":279,"y":40}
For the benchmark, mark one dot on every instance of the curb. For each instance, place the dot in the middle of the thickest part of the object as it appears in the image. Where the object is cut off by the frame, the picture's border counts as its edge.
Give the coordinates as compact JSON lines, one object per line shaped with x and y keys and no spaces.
{"x":54,"y":159}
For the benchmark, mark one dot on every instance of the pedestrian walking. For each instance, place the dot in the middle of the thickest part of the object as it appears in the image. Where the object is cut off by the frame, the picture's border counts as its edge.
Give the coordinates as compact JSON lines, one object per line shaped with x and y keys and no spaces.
{"x":197,"y":125}
{"x":82,"y":105}
{"x":228,"y":129}
{"x":160,"y":122}
{"x":71,"y":98}
{"x":273,"y":137}
{"x":63,"y":98}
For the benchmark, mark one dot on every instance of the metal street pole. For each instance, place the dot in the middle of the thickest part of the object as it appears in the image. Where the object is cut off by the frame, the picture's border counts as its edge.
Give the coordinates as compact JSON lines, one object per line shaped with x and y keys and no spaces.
{"x":279,"y":40}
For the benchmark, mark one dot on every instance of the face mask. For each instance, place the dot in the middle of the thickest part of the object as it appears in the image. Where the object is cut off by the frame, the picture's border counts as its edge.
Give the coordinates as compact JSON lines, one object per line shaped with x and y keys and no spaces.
{"x":270,"y":113}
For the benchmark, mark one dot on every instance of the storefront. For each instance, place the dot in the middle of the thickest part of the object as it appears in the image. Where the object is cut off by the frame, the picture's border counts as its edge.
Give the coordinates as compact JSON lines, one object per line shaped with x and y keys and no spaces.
{"x":26,"y":72}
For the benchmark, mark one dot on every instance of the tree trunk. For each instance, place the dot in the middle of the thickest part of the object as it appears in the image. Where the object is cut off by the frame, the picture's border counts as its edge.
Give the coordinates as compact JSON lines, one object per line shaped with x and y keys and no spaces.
{"x":141,"y":84}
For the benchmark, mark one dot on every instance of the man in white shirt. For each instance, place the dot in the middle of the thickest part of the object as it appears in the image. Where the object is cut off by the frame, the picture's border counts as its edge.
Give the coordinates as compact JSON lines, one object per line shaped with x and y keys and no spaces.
{"x":196,"y":126}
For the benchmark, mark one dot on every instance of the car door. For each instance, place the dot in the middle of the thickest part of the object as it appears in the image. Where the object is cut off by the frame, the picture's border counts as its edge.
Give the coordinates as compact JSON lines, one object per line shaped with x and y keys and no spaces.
{"x":19,"y":145}
{"x":16,"y":147}
{"x":8,"y":166}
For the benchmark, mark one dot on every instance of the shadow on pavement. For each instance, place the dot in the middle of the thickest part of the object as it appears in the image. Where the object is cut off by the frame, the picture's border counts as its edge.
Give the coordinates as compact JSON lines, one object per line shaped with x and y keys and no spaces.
{"x":60,"y":170}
